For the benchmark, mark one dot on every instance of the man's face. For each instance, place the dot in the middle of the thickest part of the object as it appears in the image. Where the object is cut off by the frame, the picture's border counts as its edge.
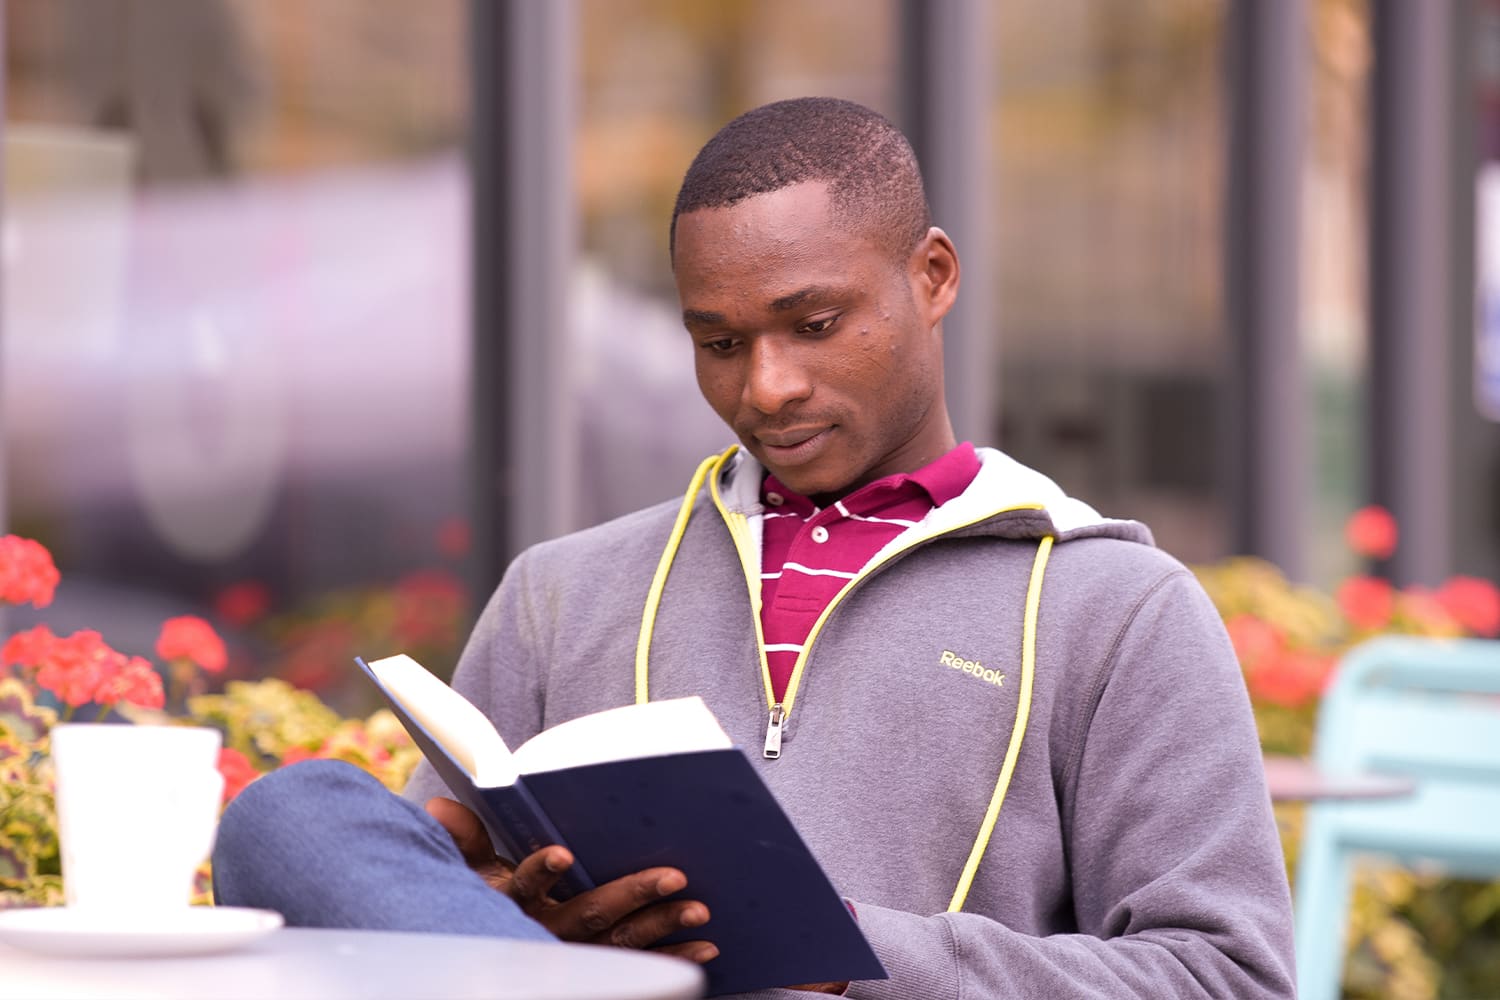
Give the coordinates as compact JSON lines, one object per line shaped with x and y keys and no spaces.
{"x":821,"y":352}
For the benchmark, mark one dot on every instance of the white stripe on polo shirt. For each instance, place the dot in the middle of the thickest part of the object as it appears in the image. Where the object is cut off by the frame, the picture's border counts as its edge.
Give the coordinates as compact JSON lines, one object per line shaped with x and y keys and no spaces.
{"x":812,"y":571}
{"x":808,"y":554}
{"x":902,"y":522}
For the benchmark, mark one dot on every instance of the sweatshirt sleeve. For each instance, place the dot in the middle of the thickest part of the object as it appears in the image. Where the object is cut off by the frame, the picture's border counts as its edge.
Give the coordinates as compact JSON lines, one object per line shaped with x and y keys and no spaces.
{"x":1178,"y":880}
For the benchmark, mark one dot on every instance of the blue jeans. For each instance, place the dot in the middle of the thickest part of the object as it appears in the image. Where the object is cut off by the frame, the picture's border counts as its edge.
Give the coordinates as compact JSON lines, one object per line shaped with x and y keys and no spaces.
{"x":326,"y":845}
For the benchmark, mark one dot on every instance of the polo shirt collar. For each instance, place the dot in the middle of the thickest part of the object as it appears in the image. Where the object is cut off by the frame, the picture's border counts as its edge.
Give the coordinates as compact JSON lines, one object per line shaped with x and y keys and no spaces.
{"x":941,"y":480}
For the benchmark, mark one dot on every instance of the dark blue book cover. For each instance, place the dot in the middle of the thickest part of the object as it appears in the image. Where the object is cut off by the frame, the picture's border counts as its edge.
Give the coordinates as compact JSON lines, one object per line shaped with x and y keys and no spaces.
{"x":775,"y":917}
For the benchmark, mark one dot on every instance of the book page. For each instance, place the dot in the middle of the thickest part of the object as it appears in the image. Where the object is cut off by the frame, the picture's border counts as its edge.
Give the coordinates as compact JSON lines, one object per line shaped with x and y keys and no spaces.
{"x":449,"y":718}
{"x":652,"y":729}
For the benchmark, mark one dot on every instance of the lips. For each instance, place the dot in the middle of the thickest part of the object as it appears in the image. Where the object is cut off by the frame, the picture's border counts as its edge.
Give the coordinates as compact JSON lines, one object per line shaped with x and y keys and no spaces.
{"x":784,"y":450}
{"x":789,"y":438}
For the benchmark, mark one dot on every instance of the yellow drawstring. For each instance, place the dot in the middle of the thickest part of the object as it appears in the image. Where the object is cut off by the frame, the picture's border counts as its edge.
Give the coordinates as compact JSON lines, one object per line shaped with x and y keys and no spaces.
{"x":1017,"y":733}
{"x":709,"y":465}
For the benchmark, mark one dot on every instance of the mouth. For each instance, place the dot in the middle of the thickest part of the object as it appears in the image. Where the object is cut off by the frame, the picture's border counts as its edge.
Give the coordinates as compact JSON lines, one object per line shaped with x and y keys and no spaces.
{"x":793,"y":445}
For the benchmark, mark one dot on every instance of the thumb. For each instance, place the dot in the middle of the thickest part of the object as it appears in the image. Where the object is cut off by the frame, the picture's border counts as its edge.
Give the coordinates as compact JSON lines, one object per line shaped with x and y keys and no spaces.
{"x":464,"y":827}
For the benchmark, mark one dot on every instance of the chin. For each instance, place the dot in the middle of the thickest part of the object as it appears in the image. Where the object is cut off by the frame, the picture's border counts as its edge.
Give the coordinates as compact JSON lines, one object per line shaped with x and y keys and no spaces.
{"x":827,"y":474}
{"x":809,"y":483}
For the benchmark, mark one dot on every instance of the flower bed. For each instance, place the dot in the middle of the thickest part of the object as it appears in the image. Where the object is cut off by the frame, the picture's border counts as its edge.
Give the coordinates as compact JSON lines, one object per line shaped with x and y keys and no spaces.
{"x":46,"y":678}
{"x":1413,"y":936}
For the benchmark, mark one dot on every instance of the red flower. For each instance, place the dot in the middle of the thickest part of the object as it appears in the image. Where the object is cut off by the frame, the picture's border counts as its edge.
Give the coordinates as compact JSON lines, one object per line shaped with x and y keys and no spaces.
{"x":1254,"y":638}
{"x":1421,"y":607}
{"x":1368,"y":602}
{"x":27,"y":572}
{"x":136,"y":682}
{"x":454,"y":539}
{"x":1292,"y":677}
{"x":295,"y":755}
{"x":243,"y":603}
{"x":1371,"y":531}
{"x":30,"y":648}
{"x":237,"y":771}
{"x":78,"y":667}
{"x":188,"y":637}
{"x":1474,"y":602}
{"x":316,"y":654}
{"x":428,"y":606}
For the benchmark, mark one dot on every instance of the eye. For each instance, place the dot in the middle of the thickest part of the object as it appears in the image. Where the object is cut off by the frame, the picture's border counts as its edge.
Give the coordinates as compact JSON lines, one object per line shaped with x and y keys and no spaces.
{"x":721,"y":346}
{"x":822,"y":325}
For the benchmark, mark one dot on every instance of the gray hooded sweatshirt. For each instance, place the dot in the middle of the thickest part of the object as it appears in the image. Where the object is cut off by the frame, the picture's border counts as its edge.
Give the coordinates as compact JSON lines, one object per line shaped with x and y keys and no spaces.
{"x":1133,"y":853}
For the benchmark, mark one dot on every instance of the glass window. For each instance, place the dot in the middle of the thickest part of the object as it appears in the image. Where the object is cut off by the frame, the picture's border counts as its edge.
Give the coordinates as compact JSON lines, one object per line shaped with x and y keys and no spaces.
{"x":1335,"y":241}
{"x":1108,"y":234}
{"x":658,"y":78}
{"x":1110,"y":180}
{"x":236,"y":300}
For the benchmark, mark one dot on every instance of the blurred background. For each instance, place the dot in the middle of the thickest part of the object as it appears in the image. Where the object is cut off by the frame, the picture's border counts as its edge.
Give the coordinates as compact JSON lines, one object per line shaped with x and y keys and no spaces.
{"x":316,"y":311}
{"x":313,"y":313}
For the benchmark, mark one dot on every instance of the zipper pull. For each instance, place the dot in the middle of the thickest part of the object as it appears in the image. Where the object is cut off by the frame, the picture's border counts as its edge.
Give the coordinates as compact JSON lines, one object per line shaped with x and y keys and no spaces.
{"x":773,"y":732}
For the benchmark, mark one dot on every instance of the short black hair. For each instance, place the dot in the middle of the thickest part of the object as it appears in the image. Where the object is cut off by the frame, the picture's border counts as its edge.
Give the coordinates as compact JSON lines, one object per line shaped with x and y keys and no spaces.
{"x":872,"y":173}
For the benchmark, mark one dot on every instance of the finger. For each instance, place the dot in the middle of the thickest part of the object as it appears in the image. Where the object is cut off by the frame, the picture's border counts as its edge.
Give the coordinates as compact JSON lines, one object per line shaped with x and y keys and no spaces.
{"x":535,"y":876}
{"x":496,"y":874}
{"x":647,"y":926}
{"x":589,"y":916}
{"x":464,"y":827}
{"x":693,"y":951}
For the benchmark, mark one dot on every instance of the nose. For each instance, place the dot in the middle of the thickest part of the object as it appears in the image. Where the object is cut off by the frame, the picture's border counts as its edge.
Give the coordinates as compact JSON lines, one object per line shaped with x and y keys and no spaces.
{"x":776,"y":376}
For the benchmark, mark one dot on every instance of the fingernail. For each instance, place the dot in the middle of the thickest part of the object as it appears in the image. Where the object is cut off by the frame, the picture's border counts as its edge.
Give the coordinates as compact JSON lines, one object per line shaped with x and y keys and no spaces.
{"x":668,"y":884}
{"x":695,"y":916}
{"x":707,"y":953}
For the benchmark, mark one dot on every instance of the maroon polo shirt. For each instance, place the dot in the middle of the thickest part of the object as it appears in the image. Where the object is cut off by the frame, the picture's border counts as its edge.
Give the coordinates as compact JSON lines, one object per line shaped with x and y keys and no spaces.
{"x":808,"y":554}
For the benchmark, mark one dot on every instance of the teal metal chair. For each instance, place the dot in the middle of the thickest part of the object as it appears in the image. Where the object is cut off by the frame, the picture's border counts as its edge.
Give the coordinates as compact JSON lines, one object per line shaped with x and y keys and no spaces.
{"x":1425,"y":708}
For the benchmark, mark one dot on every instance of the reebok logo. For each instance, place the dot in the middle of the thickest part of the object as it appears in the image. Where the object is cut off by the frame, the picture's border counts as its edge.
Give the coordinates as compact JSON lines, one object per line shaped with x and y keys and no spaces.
{"x":973,"y":668}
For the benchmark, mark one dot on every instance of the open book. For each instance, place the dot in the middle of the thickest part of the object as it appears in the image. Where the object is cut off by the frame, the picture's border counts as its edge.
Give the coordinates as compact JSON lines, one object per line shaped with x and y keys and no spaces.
{"x":636,"y":787}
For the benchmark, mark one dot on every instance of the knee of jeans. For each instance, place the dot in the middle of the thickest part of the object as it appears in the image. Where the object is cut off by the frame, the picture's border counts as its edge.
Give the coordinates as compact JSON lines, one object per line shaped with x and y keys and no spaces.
{"x":288,"y":807}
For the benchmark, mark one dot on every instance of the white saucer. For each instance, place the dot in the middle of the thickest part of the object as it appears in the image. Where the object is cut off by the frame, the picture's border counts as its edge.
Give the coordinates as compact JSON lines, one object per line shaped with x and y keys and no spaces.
{"x":78,"y":933}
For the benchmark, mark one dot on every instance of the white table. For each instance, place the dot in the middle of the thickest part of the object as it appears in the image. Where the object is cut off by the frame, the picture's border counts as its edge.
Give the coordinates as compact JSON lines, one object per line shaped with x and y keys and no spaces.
{"x":301,"y":964}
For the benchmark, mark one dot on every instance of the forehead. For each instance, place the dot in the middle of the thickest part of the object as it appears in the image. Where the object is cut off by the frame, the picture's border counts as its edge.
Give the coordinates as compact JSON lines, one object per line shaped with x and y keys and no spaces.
{"x":770,"y":244}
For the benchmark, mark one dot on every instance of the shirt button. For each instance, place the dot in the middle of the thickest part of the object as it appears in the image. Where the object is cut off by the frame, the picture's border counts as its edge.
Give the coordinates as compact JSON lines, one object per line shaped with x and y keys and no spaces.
{"x":820,"y":534}
{"x":775,"y":499}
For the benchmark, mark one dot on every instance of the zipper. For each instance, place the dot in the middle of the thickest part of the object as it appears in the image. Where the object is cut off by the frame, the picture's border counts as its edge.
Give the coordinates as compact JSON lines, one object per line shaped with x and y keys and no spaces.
{"x":736,"y":524}
{"x":865,"y":575}
{"x":773,"y":732}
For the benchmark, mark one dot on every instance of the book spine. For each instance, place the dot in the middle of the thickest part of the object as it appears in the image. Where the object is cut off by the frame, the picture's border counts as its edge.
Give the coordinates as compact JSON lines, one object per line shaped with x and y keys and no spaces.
{"x":516,"y":823}
{"x":521,"y":828}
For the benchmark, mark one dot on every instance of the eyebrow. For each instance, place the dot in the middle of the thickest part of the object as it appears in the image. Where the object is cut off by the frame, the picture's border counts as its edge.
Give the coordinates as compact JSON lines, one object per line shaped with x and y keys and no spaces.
{"x":794,"y":299}
{"x":791,"y":300}
{"x":702,"y":317}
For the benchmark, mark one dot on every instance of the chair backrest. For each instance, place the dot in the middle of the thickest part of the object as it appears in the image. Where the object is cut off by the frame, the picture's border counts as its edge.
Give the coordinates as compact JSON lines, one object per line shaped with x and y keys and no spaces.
{"x":1424,"y":708}
{"x":1429,"y":709}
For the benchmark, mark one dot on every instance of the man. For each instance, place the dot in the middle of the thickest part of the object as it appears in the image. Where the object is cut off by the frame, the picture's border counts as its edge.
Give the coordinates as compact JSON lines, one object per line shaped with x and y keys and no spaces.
{"x":1012,"y":730}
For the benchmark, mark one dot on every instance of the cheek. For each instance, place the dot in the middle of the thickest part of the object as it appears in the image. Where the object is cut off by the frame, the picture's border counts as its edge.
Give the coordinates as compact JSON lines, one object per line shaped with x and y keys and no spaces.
{"x":901,"y":377}
{"x":719,"y":388}
{"x":883,"y":359}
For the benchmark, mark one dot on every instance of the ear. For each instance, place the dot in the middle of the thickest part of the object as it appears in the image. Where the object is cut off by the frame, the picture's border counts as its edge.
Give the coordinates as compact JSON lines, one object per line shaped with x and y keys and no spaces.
{"x":934,"y":271}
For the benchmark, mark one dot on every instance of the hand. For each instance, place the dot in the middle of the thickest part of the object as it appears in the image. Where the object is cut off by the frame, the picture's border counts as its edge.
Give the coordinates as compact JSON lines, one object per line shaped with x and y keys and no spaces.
{"x":627,"y":913}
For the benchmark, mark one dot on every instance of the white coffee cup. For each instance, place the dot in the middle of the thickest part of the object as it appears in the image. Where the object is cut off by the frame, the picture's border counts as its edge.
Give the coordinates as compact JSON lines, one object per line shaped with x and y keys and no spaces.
{"x":137,"y":810}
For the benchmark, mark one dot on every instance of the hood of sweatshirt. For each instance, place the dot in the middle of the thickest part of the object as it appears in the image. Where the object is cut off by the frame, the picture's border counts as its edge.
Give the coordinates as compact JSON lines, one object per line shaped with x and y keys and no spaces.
{"x":1006,"y":499}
